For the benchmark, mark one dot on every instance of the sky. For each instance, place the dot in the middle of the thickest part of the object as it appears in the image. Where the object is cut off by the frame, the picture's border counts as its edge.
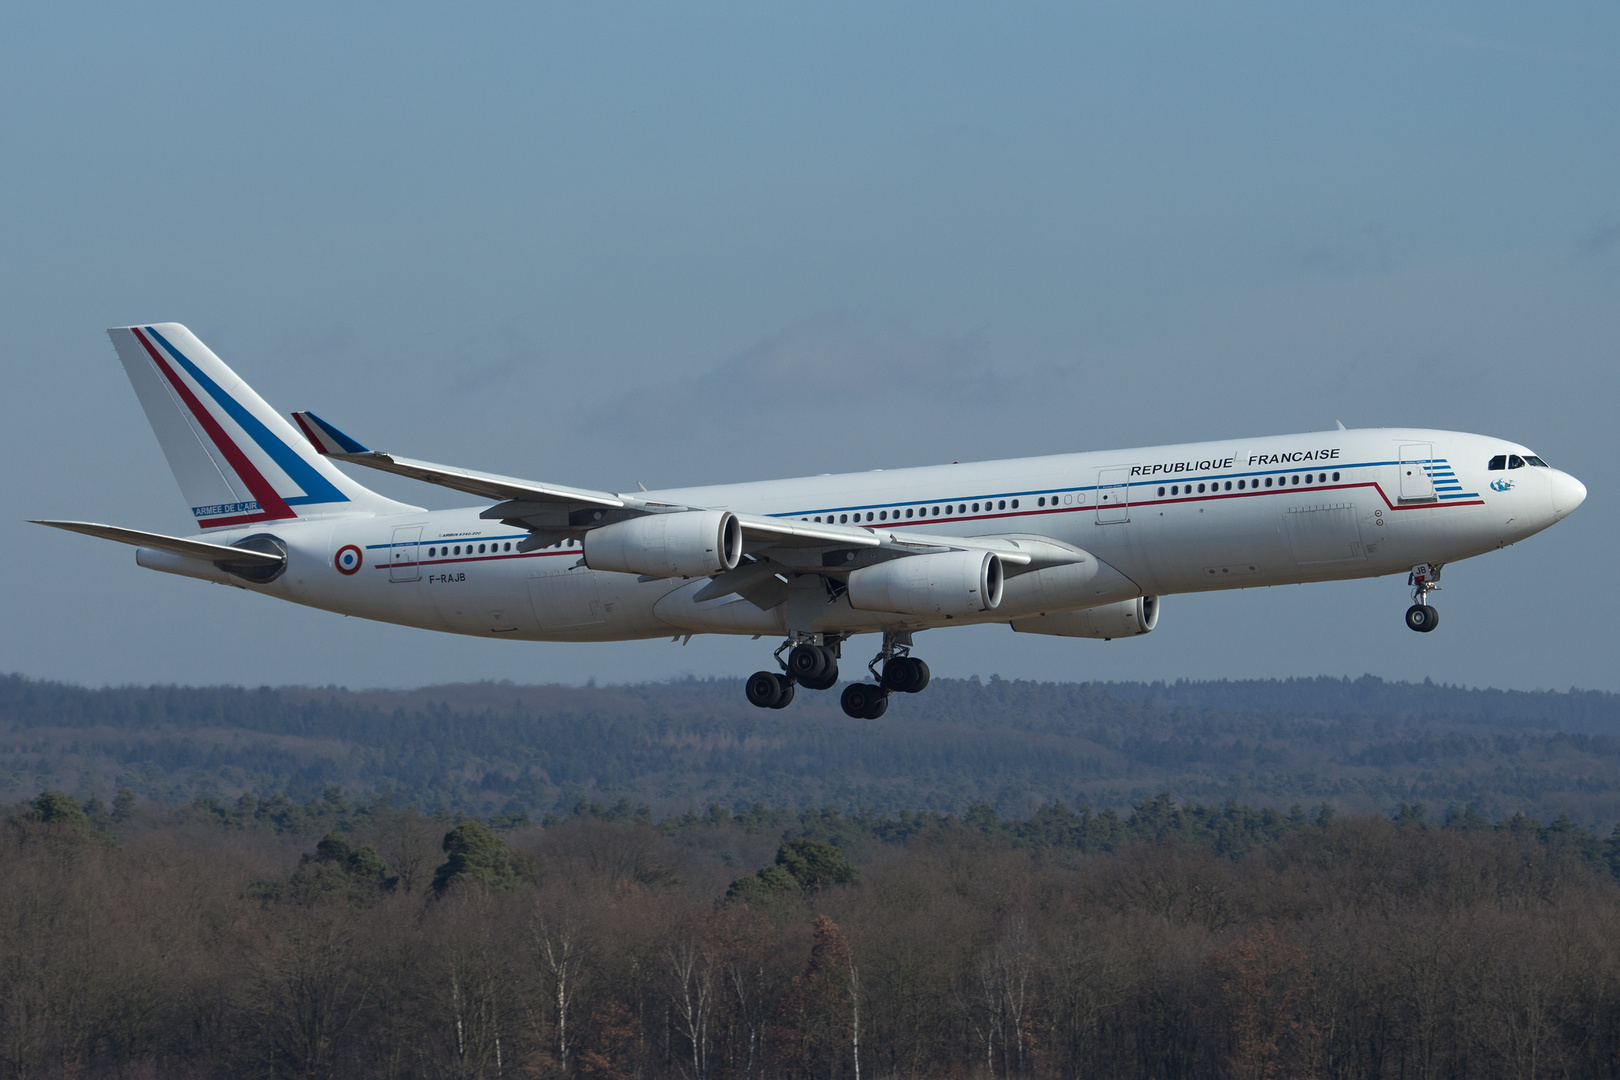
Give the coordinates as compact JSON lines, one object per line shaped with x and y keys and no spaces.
{"x":608,"y":244}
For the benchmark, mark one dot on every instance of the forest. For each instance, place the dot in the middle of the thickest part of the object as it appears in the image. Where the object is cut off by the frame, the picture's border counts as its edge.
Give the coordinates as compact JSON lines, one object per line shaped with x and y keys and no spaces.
{"x":1362,"y":746}
{"x":338,"y":937}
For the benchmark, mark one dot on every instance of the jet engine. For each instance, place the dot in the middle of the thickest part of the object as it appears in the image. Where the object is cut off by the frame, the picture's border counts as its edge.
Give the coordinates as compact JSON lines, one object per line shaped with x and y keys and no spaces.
{"x":689,"y":543}
{"x":949,"y":583}
{"x":1125,"y":619}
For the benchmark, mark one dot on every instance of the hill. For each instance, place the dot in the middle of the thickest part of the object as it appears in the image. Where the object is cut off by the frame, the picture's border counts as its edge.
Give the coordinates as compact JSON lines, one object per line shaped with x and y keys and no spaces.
{"x":1359,"y":745}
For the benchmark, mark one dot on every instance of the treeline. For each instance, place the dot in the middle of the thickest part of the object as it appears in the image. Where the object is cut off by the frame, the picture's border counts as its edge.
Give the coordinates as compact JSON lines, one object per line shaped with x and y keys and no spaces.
{"x":1360,"y":745}
{"x":1176,"y":941}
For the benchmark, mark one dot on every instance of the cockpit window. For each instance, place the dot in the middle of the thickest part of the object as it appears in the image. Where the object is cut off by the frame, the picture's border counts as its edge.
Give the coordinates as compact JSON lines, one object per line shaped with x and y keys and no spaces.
{"x":1537,"y":462}
{"x":1515,"y":461}
{"x":1498,"y":463}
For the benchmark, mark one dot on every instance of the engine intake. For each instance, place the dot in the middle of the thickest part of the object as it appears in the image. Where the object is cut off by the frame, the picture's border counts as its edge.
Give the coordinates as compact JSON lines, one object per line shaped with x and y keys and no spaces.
{"x":1125,"y":619}
{"x":949,"y":583}
{"x":690,"y":543}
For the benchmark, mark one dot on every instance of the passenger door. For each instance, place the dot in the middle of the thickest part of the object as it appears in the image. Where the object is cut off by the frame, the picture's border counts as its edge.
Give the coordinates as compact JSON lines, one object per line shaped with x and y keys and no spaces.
{"x":1114,"y":495}
{"x":1416,"y":483}
{"x":404,"y":563}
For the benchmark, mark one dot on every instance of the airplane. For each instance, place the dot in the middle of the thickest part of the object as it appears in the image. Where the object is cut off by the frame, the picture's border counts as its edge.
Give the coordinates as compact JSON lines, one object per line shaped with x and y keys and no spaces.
{"x":1081,"y":545}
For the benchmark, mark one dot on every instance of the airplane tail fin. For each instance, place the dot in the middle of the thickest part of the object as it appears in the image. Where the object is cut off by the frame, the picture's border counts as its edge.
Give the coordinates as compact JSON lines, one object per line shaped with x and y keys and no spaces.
{"x":238,"y":462}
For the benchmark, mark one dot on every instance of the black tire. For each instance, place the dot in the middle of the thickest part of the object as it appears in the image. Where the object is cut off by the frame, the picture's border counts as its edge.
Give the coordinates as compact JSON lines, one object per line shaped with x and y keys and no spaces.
{"x":828,"y":677}
{"x":898,"y":674}
{"x":807,"y":663}
{"x":785,"y":698}
{"x":879,"y":706}
{"x":763,"y":688}
{"x":857,"y":699}
{"x":1422,"y":618}
{"x":920,"y":682}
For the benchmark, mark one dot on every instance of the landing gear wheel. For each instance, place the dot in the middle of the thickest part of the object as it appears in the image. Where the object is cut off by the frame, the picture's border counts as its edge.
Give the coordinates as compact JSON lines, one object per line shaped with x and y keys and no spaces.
{"x":863,"y":701}
{"x":905,"y":675}
{"x":785,"y":698}
{"x":898,"y":674}
{"x":764,"y":689}
{"x":814,"y":666}
{"x":807,"y":663}
{"x":1422,"y":618}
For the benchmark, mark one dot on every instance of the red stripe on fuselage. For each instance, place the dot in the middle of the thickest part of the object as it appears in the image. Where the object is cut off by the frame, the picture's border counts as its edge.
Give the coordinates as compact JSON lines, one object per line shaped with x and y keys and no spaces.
{"x":271,"y":505}
{"x":1149,"y":501}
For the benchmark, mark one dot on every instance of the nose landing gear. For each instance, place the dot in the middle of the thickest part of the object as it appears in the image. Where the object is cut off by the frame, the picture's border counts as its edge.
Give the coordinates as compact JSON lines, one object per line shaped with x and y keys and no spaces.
{"x":1424,"y":579}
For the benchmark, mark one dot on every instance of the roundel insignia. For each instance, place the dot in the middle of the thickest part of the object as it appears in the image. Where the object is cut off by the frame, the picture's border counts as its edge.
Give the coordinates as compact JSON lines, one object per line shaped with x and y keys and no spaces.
{"x":348,"y":559}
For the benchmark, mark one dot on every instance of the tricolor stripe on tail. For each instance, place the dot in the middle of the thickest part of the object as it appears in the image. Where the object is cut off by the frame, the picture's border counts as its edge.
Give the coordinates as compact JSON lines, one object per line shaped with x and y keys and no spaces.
{"x":238,"y":461}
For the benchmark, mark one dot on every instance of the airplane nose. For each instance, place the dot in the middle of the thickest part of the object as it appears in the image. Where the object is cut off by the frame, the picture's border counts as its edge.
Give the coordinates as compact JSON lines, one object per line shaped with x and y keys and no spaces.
{"x":1567,"y":493}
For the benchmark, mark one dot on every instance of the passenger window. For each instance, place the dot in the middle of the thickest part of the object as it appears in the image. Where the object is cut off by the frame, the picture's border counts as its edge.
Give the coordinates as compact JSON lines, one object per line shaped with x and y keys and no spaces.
{"x":1015,"y":504}
{"x":1497,"y":463}
{"x":1241,"y":483}
{"x":843,"y":518}
{"x":1515,"y":461}
{"x":1268,"y":481}
{"x":883,"y":515}
{"x":869,"y":515}
{"x":1161,"y":493}
{"x":431,"y":552}
{"x":1335,"y":478}
{"x":1042,"y":500}
{"x":961,"y":508}
{"x":1229,"y":485}
{"x":936,"y":511}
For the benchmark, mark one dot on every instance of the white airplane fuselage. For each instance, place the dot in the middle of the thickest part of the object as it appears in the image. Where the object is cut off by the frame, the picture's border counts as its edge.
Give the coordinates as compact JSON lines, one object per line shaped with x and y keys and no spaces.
{"x":1172,"y":519}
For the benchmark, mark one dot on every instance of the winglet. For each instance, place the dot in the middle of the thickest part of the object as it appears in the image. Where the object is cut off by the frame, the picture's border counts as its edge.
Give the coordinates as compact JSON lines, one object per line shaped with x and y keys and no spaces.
{"x":326,"y":439}
{"x":1341,"y":424}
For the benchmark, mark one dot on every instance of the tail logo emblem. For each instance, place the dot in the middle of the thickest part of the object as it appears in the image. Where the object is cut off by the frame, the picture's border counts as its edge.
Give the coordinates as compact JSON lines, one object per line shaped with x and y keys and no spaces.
{"x":348,"y":559}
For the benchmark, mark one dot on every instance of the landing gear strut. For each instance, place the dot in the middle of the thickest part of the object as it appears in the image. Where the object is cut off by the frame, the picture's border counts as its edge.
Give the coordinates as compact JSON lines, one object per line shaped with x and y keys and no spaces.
{"x":1424,"y":579}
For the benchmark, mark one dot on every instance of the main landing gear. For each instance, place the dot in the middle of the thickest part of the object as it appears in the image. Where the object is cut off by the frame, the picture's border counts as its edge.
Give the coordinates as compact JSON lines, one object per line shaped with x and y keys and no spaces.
{"x":1424,"y":580}
{"x":815,"y":667}
{"x":901,"y":673}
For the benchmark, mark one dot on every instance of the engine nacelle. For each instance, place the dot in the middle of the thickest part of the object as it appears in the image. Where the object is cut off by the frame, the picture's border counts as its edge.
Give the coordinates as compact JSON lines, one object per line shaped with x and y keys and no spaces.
{"x":949,"y":583}
{"x":1125,"y":619}
{"x":690,"y":543}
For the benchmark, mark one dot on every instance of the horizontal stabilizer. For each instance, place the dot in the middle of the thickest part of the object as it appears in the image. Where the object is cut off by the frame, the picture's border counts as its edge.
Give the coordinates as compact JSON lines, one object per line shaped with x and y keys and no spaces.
{"x":194,"y":549}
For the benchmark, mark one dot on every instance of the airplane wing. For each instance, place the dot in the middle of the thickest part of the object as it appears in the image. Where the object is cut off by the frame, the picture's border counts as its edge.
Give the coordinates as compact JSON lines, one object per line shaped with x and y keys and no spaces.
{"x":550,"y":511}
{"x":332,"y":443}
